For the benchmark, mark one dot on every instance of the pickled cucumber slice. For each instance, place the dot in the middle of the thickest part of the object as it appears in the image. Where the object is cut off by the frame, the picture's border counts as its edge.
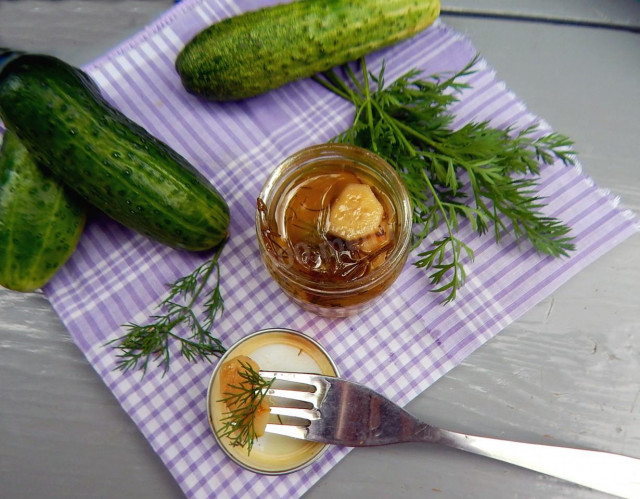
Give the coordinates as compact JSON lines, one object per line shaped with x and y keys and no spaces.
{"x":355,"y":213}
{"x":235,"y":387}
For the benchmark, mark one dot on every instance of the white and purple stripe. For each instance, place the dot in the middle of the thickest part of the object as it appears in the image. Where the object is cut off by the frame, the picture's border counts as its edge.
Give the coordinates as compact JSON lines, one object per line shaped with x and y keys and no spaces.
{"x":400,"y":347}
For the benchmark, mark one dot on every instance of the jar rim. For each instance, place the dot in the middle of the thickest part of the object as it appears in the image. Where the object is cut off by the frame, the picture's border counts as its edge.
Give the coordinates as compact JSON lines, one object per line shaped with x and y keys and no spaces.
{"x":398,"y":194}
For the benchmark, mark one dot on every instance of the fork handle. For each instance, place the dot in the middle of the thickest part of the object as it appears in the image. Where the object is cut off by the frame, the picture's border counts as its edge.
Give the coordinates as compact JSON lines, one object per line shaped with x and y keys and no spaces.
{"x":611,"y":473}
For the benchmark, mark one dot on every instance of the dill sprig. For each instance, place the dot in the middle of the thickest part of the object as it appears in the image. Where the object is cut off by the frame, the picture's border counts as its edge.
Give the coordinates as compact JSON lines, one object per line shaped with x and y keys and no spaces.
{"x":143,"y":343}
{"x":243,"y":402}
{"x":477,"y":173}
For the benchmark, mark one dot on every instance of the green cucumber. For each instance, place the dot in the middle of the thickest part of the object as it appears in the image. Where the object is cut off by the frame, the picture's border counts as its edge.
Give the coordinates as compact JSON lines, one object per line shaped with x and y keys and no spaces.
{"x":257,"y":51}
{"x":57,"y":112}
{"x":40,"y":221}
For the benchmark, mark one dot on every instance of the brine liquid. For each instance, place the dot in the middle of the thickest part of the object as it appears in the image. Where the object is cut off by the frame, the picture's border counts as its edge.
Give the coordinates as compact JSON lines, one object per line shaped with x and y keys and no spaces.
{"x":297,"y":233}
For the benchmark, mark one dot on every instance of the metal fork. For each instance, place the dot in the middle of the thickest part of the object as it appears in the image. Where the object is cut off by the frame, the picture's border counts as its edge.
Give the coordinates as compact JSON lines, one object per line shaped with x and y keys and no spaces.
{"x":340,"y":412}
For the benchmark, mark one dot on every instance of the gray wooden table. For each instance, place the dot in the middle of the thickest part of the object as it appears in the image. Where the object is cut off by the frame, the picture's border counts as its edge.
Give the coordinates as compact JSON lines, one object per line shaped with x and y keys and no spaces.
{"x":568,"y":372}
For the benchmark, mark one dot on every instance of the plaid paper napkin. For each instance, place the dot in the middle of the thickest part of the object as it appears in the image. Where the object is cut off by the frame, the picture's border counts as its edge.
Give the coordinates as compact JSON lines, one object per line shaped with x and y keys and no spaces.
{"x":400,"y":347}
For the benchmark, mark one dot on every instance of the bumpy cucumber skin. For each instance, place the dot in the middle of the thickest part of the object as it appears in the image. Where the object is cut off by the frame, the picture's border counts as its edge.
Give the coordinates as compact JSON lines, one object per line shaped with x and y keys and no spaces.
{"x":249,"y":54}
{"x":114,"y":164}
{"x":40,"y":221}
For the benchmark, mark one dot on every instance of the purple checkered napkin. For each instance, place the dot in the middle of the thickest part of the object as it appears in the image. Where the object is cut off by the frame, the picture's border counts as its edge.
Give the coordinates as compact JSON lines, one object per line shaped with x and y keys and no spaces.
{"x":400,"y":347}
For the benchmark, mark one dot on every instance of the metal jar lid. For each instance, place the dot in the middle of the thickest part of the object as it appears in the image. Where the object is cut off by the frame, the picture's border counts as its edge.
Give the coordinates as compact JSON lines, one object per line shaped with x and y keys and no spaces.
{"x":273,"y":349}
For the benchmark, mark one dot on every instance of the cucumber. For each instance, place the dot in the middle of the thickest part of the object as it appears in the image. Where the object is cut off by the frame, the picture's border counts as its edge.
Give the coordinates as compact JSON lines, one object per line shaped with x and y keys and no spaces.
{"x":258,"y":51}
{"x":57,"y":112}
{"x":40,"y":221}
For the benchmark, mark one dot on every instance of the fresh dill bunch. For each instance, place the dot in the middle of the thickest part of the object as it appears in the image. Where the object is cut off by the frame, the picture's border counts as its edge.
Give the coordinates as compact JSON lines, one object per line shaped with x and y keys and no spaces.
{"x":243,"y":402}
{"x":478,"y":173}
{"x":143,"y":343}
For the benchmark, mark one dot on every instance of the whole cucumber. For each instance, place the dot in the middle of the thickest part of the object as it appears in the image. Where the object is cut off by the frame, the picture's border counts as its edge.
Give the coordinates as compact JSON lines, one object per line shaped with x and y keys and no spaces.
{"x":257,"y":51}
{"x":40,"y":221}
{"x":58,"y":113}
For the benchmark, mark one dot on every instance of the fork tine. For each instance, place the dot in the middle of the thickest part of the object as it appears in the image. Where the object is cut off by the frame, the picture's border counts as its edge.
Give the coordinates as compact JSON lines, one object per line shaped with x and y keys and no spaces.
{"x":288,"y":430}
{"x":304,"y":378}
{"x":311,"y":381}
{"x":295,"y":412}
{"x":308,"y":397}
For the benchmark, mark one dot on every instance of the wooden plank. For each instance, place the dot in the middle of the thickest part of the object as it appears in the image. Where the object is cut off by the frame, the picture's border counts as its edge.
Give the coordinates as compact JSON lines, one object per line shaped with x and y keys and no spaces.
{"x":613,"y":13}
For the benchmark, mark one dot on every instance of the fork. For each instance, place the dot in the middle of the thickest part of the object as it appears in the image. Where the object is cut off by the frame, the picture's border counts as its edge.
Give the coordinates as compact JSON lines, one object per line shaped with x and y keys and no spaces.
{"x":341,"y":412}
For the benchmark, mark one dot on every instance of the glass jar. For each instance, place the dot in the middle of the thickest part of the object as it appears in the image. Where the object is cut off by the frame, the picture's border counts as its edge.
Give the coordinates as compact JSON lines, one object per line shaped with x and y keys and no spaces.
{"x":331,"y":276}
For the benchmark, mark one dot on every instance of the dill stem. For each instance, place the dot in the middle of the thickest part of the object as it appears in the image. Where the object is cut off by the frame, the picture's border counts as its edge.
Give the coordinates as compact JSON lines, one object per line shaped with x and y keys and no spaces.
{"x":367,"y":95}
{"x":395,"y":124}
{"x":412,"y":131}
{"x":334,"y":84}
{"x":142,"y":342}
{"x":447,"y":221}
{"x":205,"y":278}
{"x":355,"y":79}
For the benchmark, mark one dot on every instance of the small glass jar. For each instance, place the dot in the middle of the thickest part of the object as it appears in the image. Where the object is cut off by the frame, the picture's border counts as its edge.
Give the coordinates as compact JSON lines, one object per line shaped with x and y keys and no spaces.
{"x":319,"y":294}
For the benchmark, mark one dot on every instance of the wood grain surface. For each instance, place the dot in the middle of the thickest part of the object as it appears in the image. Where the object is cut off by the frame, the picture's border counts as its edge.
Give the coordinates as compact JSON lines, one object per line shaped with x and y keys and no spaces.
{"x":566,"y":373}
